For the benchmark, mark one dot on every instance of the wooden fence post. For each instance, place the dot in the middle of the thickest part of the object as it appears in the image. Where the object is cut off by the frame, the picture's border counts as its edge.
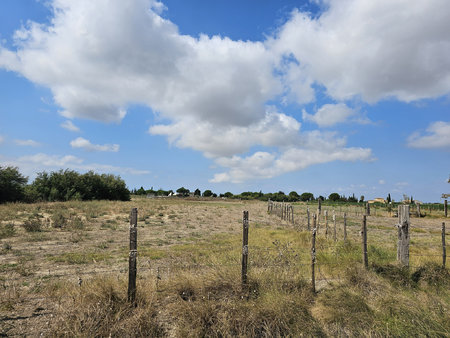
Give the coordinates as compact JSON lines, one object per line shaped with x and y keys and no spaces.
{"x":313,"y":259}
{"x":307,"y":214}
{"x":292,"y":214}
{"x":345,"y":227}
{"x":367,"y":209}
{"x":364,"y":241}
{"x":418,"y":210}
{"x":132,"y":270}
{"x":326,"y":223}
{"x":445,"y":208}
{"x":334,"y":225}
{"x":403,"y":235}
{"x":319,"y":207}
{"x":444,"y":253}
{"x":244,"y":248}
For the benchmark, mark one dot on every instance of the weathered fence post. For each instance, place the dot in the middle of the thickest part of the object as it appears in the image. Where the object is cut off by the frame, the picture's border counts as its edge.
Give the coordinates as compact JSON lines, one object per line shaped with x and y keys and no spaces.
{"x":326,"y":223}
{"x":307,"y":214}
{"x":292,"y":214}
{"x":418,"y":209}
{"x":403,"y":235}
{"x":345,"y":227}
{"x":244,"y":248}
{"x":445,"y":208}
{"x":319,"y":207}
{"x":132,"y":270}
{"x":444,"y":253}
{"x":364,"y":241}
{"x":334,"y":225}
{"x":367,"y":209}
{"x":313,"y":259}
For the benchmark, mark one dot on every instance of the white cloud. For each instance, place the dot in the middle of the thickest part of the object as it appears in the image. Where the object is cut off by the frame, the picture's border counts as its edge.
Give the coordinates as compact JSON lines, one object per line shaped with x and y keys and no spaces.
{"x":316,"y":148}
{"x":1,"y":139}
{"x":275,"y":129}
{"x":27,"y":143}
{"x":40,"y":162}
{"x":88,"y":146}
{"x":330,"y":114}
{"x":381,"y":182}
{"x":438,"y":136}
{"x":214,"y":91}
{"x":372,"y":49}
{"x":69,"y":126}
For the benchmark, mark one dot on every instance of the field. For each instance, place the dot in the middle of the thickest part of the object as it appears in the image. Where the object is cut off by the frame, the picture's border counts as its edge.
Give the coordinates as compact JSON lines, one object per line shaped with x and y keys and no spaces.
{"x":64,"y":271}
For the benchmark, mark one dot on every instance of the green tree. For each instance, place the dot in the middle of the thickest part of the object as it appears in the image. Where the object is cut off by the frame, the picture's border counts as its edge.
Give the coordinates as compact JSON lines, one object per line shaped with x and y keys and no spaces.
{"x":207,"y":193}
{"x":388,"y":199}
{"x":197,"y":192}
{"x":12,"y":185}
{"x":334,"y":197}
{"x":294,"y":196}
{"x":306,"y":196}
{"x":183,"y":191}
{"x":228,"y":195}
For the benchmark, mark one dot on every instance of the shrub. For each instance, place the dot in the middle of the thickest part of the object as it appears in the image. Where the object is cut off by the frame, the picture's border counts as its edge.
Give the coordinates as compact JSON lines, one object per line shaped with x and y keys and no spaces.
{"x":33,"y":223}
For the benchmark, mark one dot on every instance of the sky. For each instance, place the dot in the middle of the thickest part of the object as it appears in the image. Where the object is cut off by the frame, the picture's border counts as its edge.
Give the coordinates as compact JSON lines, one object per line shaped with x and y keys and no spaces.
{"x":321,"y":96}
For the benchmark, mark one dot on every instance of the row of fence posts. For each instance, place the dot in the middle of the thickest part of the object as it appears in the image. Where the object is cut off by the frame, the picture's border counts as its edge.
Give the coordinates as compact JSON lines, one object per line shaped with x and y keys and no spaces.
{"x":283,"y":210}
{"x":402,"y":245}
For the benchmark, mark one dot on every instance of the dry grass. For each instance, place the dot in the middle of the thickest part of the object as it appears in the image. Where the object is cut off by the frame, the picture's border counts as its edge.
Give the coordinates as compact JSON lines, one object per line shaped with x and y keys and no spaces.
{"x":189,"y":273}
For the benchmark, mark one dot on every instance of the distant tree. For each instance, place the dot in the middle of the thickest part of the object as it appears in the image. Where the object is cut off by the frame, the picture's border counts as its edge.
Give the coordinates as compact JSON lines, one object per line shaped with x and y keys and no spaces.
{"x":140,"y":191}
{"x":214,"y":195}
{"x":228,"y":195}
{"x":412,"y":199}
{"x":306,"y":196}
{"x":12,"y":184}
{"x":361,"y":199}
{"x":334,"y":197}
{"x":183,"y":191}
{"x":207,"y":193}
{"x":352,"y":199}
{"x":388,"y":199}
{"x":321,"y":198}
{"x":294,"y":196}
{"x":197,"y":192}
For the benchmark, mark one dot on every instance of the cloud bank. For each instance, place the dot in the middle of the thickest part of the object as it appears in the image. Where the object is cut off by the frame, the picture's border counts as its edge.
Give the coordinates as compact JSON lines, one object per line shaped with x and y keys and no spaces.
{"x":218,"y":94}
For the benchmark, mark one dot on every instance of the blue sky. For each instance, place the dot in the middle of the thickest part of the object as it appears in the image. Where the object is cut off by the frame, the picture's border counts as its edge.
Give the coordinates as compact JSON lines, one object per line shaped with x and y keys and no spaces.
{"x":321,"y":95}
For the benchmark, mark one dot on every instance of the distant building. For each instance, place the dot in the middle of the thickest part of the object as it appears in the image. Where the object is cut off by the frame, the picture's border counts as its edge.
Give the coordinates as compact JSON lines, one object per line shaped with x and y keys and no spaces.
{"x":377,"y":200}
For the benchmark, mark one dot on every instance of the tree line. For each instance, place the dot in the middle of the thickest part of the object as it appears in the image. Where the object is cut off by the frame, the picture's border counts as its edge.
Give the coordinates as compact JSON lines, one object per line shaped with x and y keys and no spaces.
{"x":62,"y":185}
{"x":279,"y":196}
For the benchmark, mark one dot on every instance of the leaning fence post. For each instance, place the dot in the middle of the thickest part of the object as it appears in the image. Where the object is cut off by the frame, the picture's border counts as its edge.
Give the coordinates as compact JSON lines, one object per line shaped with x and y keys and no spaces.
{"x":132,"y":270}
{"x":403,"y":235}
{"x":444,"y":253}
{"x":244,"y":248}
{"x":345,"y":226}
{"x":313,"y":259}
{"x":364,"y":241}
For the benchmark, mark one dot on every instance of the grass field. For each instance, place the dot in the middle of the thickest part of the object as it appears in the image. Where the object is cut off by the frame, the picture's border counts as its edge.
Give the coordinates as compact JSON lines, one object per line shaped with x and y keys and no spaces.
{"x":189,"y":267}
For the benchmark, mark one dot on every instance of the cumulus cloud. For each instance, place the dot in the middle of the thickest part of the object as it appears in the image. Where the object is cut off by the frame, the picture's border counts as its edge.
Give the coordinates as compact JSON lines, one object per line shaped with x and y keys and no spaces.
{"x":69,"y":126}
{"x":275,"y":129}
{"x":372,"y":49}
{"x":97,"y":65}
{"x":330,"y":114}
{"x":88,"y":146}
{"x":315,"y":148}
{"x":27,"y":143}
{"x":438,"y":136}
{"x":40,"y":162}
